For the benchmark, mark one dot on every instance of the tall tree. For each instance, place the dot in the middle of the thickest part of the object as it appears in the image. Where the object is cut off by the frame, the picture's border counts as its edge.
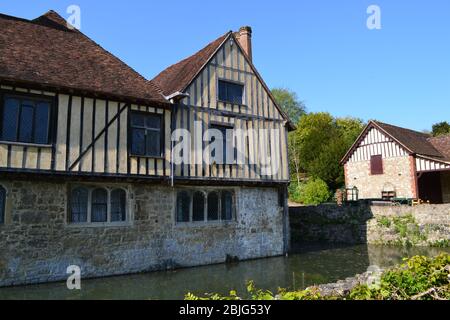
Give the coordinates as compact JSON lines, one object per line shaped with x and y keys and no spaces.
{"x":294,"y":108}
{"x":289,"y":102}
{"x":320,"y":142}
{"x":441,"y":128}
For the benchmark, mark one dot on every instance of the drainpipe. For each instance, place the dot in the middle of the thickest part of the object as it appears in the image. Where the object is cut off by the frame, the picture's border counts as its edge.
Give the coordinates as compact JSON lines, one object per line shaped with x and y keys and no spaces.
{"x":286,"y":223}
{"x":172,"y":125}
{"x":174,"y":98}
{"x":286,"y":226}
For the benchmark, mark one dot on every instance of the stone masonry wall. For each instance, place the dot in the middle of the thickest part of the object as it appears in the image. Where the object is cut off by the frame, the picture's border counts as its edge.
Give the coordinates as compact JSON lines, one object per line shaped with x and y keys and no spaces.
{"x":397,"y":175}
{"x":424,"y":225}
{"x":37,"y":244}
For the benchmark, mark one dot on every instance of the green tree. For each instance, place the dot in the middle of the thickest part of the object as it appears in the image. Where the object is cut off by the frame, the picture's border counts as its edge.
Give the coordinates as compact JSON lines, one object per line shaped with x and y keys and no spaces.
{"x":350,"y":128}
{"x":294,"y":108}
{"x":441,"y":128}
{"x":320,"y":142}
{"x":290,"y":103}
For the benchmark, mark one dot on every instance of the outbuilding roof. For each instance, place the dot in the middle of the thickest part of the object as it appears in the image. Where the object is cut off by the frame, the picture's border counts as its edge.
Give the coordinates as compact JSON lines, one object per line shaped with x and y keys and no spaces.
{"x":414,"y":142}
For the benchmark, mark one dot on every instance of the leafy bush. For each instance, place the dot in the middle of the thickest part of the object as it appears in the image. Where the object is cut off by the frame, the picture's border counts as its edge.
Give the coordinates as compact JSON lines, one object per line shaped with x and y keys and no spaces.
{"x":313,"y":192}
{"x":254,"y":293}
{"x":418,"y":278}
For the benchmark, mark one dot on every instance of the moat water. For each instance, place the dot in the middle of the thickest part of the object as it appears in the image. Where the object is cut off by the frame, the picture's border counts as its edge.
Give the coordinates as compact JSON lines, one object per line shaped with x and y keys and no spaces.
{"x":305,"y":267}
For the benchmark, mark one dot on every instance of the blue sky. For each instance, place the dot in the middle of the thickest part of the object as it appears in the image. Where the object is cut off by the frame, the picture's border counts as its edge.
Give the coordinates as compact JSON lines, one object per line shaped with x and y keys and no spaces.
{"x":321,"y":49}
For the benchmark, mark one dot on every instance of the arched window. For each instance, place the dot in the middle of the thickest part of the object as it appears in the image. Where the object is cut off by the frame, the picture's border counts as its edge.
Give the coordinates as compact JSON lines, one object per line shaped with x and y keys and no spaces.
{"x":227,"y":205}
{"x":2,"y":204}
{"x":213,"y":206}
{"x":183,"y":206}
{"x":99,"y":208}
{"x":118,"y":205}
{"x":198,"y":206}
{"x":79,"y":205}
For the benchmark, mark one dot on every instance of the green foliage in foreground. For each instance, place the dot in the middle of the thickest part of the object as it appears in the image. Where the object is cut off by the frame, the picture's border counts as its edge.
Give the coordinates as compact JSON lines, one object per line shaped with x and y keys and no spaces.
{"x":418,"y":278}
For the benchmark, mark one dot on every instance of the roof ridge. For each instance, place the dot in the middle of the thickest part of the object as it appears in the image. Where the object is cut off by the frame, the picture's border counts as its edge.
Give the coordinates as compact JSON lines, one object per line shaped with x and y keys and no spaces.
{"x":417,"y":142}
{"x":43,"y":21}
{"x":194,"y":54}
{"x":7,"y":16}
{"x":407,"y":129}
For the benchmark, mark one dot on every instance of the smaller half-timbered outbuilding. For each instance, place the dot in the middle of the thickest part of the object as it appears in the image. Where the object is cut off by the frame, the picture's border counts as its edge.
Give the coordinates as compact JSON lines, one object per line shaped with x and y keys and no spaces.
{"x":389,"y":161}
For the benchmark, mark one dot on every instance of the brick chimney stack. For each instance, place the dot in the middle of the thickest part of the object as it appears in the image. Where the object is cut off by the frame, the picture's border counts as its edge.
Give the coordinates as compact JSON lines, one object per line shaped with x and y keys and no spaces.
{"x":244,"y":36}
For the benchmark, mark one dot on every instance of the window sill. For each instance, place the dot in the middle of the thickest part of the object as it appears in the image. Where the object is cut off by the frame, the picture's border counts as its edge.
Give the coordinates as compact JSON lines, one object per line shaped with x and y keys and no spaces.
{"x":74,"y":225}
{"x":205,"y":224}
{"x":25,"y":144}
{"x":233,"y":103}
{"x":147,"y":157}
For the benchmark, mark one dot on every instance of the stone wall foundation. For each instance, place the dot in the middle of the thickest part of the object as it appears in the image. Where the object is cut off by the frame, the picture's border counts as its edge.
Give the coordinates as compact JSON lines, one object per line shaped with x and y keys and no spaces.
{"x":37,"y":244}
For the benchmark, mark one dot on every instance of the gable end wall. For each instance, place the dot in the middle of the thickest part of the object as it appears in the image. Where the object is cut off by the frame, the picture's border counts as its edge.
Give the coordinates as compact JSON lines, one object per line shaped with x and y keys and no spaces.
{"x":397,"y":167}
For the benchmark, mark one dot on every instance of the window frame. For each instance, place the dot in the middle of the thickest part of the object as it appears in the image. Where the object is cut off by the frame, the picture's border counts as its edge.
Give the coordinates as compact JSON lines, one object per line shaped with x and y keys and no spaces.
{"x":161,"y":134}
{"x":242,"y":84}
{"x":3,"y":205}
{"x":188,"y":193}
{"x":111,"y":204}
{"x":108,"y":223}
{"x":221,"y":212}
{"x":206,"y":193}
{"x":376,"y":171}
{"x":226,"y":126}
{"x":22,"y":96}
{"x":205,"y":204}
{"x":106,"y":204}
{"x":71,"y":202}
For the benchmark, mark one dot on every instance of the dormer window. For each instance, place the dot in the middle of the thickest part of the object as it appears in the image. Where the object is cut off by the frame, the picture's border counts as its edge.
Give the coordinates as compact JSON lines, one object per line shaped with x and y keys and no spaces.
{"x":231,"y":92}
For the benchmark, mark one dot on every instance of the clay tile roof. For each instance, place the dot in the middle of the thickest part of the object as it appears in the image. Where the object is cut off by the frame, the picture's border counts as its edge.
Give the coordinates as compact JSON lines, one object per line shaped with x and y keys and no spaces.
{"x":442,"y":144}
{"x":178,"y":76}
{"x":44,"y":51}
{"x":416,"y":142}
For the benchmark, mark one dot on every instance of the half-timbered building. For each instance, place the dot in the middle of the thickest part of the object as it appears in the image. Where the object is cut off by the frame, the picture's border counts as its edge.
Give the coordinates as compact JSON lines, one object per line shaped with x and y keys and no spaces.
{"x":88,"y":169}
{"x":387,"y":161}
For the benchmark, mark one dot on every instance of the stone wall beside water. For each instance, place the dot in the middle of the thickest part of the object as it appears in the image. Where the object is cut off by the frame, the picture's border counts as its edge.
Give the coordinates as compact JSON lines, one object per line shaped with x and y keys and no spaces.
{"x":424,"y":225}
{"x":37,"y":244}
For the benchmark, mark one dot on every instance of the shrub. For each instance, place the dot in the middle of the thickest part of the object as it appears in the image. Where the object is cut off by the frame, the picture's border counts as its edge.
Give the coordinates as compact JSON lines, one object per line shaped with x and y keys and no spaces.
{"x":418,"y":278}
{"x":313,"y":192}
